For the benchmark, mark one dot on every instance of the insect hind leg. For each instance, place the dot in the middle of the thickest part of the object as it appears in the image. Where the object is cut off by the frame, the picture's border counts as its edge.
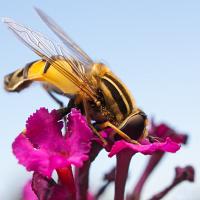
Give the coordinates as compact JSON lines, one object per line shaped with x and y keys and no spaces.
{"x":50,"y":92}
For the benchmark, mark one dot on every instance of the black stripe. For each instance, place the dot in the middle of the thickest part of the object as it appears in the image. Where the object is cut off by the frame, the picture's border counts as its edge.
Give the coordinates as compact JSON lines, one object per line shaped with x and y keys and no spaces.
{"x":123,"y":90}
{"x":26,"y":68}
{"x":46,"y":67}
{"x":116,"y":96}
{"x":20,"y":73}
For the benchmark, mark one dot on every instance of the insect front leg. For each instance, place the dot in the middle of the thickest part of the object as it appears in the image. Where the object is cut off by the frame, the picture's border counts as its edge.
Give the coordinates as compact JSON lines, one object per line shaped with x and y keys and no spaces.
{"x":66,"y":110}
{"x":117,"y":131}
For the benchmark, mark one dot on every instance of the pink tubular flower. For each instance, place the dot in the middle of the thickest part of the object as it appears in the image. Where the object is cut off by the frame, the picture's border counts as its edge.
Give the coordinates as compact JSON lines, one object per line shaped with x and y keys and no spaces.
{"x":47,"y":189}
{"x":163,"y":130}
{"x":181,"y":174}
{"x":43,"y":148}
{"x":124,"y":152}
{"x":82,"y":173}
{"x":159,"y":132}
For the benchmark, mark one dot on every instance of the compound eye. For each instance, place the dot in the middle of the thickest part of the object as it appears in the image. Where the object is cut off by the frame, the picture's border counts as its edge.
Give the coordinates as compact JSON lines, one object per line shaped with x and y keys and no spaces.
{"x":134,"y":126}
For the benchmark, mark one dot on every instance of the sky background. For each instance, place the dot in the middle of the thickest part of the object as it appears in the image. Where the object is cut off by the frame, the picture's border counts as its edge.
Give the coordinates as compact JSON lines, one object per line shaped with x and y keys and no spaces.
{"x":154,"y":46}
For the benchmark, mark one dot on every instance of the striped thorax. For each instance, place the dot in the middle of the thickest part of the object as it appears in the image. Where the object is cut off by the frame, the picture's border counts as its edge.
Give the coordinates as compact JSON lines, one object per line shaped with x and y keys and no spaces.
{"x":117,"y":100}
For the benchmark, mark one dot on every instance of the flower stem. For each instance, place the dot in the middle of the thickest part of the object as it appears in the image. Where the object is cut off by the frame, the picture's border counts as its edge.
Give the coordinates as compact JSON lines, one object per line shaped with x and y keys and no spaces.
{"x":152,"y":163}
{"x":160,"y":195}
{"x":82,"y":181}
{"x":123,"y":161}
{"x":82,"y":174}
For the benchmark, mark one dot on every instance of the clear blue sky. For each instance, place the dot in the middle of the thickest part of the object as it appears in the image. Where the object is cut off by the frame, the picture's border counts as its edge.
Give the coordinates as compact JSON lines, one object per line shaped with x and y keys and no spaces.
{"x":154,"y":46}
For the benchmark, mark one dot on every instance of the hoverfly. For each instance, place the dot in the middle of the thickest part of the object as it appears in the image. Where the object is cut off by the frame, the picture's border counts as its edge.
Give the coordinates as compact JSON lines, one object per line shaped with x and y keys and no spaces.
{"x":69,"y":71}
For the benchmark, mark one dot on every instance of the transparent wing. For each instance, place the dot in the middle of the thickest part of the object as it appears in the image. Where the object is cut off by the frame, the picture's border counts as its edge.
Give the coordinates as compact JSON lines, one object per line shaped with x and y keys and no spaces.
{"x":70,"y":44}
{"x":55,"y":54}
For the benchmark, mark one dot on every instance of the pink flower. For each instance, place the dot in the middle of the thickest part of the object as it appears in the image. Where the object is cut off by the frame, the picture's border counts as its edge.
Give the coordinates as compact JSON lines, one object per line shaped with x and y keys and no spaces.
{"x":43,"y":148}
{"x":47,"y":189}
{"x":159,"y":132}
{"x":181,"y":174}
{"x":146,"y":148}
{"x":124,"y":152}
{"x":184,"y":174}
{"x":163,"y":131}
{"x":28,"y":193}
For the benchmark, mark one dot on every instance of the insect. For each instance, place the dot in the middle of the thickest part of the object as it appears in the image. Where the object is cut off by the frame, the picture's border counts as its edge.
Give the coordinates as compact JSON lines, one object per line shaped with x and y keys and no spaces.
{"x":67,"y":70}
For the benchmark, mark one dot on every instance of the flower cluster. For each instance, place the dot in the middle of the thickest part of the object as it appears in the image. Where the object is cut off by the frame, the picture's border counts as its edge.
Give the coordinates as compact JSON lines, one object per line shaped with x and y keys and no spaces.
{"x":157,"y":132}
{"x":43,"y":147}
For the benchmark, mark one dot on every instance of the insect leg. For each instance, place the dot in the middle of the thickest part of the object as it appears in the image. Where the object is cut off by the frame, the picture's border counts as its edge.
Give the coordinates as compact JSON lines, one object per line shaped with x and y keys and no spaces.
{"x":59,"y":102}
{"x":118,"y":131}
{"x":85,"y":105}
{"x":50,"y":91}
{"x":65,"y":110}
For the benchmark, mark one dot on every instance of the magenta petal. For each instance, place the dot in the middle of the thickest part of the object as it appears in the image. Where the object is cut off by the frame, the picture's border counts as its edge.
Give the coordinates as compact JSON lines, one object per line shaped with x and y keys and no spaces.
{"x":163,"y":131}
{"x":168,"y":146}
{"x":185,"y":173}
{"x":78,"y":138}
{"x":28,"y":193}
{"x":44,"y":128}
{"x":33,"y":159}
{"x":52,"y":150}
{"x":90,"y":196}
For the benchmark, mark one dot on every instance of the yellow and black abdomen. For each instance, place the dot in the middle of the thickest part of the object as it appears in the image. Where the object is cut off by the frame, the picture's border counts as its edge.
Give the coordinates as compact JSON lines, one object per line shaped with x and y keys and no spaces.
{"x":40,"y":70}
{"x":17,"y":80}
